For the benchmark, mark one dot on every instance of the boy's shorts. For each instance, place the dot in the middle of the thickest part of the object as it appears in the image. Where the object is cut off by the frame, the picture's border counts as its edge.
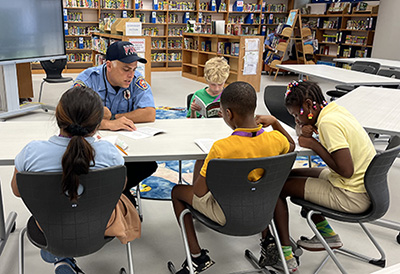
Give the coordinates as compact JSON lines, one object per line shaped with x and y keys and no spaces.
{"x":209,"y":207}
{"x":320,"y":191}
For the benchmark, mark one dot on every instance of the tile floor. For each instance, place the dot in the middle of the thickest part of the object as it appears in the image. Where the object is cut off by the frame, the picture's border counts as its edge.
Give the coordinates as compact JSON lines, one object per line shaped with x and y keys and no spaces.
{"x":161,"y":239}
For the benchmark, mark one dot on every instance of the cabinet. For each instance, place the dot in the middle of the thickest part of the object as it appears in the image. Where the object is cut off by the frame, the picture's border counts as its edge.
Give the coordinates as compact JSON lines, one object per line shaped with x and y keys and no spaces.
{"x":342,"y":34}
{"x":198,"y":48}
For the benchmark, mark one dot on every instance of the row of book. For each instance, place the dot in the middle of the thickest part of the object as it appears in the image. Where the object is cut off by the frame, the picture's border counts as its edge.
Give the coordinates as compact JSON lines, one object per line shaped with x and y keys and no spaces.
{"x":228,"y":48}
{"x":115,"y":4}
{"x":330,"y":24}
{"x":161,"y":44}
{"x":78,"y":43}
{"x":79,"y":57}
{"x":162,"y":57}
{"x":100,"y":44}
{"x":82,"y":3}
{"x":330,"y":38}
{"x":150,"y":31}
{"x":345,"y":51}
{"x":182,"y":5}
{"x":356,"y":40}
{"x":99,"y":59}
{"x":364,"y":24}
{"x":73,"y":16}
{"x":190,"y":43}
{"x":78,"y":30}
{"x":176,"y":31}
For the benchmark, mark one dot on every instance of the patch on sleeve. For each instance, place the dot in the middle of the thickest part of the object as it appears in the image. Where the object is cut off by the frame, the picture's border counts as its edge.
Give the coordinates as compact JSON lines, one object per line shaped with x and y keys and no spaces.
{"x":79,"y":83}
{"x":141,"y":83}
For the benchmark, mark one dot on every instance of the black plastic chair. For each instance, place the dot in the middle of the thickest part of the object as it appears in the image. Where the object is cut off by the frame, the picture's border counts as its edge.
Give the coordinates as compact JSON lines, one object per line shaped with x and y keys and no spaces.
{"x":274,"y":97}
{"x":361,"y":66}
{"x":188,"y":100}
{"x":248,"y":206}
{"x":53,"y":69}
{"x":69,"y":231}
{"x":375,"y":181}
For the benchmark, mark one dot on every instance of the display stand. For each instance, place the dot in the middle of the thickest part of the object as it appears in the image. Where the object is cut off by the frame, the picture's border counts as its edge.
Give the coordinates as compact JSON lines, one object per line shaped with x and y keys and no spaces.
{"x":11,"y":95}
{"x":295,"y":32}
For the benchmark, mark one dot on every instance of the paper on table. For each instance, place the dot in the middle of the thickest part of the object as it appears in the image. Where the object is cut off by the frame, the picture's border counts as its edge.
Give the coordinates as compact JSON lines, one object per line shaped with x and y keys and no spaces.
{"x":142,"y":132}
{"x":205,"y":144}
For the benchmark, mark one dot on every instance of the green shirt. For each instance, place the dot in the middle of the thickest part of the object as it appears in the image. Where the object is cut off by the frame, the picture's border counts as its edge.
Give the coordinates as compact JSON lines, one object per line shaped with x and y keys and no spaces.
{"x":204,"y":97}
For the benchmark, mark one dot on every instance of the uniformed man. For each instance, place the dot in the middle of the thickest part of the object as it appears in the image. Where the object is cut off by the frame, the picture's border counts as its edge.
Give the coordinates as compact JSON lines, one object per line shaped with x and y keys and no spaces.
{"x":127,"y":99}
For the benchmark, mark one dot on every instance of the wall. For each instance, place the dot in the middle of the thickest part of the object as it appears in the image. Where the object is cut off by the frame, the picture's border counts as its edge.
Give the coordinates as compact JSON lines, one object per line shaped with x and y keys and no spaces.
{"x":387,"y":32}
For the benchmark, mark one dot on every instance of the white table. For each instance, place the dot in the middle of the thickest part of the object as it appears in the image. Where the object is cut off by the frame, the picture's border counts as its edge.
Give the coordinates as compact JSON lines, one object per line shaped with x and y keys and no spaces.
{"x":377,"y":109}
{"x":383,"y":62}
{"x":177,"y":143}
{"x":344,"y":76}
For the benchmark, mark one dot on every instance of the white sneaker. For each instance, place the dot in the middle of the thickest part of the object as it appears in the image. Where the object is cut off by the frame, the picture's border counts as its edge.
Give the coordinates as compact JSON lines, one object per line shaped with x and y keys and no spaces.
{"x":314,"y":244}
{"x":291,"y":264}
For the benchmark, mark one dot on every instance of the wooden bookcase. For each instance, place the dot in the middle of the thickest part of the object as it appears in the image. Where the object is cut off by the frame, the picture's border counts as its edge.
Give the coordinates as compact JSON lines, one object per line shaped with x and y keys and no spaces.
{"x":110,"y":38}
{"x":343,"y":34}
{"x":205,"y":46}
{"x":166,"y":32}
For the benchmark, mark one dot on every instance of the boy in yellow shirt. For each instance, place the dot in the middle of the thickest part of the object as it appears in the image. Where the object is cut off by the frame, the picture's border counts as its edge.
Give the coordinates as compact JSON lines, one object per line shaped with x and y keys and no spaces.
{"x":248,"y":140}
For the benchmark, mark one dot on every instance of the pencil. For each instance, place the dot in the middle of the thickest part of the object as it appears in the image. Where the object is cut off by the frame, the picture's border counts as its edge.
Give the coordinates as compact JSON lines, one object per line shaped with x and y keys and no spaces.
{"x":120,"y":148}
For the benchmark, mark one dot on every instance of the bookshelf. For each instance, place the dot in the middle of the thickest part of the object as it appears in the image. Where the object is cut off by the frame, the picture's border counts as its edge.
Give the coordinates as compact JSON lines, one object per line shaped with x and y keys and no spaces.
{"x":198,"y":48}
{"x":343,"y":33}
{"x":164,"y":22}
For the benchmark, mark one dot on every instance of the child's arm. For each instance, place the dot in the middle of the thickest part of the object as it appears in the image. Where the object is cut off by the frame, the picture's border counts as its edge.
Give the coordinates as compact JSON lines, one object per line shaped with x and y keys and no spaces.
{"x":340,"y":160}
{"x":269,"y":120}
{"x":14,"y":186}
{"x":200,"y":187}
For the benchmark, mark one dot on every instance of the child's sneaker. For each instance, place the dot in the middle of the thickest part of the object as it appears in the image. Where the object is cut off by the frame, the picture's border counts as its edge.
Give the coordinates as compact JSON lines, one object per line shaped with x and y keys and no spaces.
{"x":314,"y":244}
{"x":291,"y":264}
{"x":67,"y":266}
{"x":269,"y":252}
{"x":200,"y":263}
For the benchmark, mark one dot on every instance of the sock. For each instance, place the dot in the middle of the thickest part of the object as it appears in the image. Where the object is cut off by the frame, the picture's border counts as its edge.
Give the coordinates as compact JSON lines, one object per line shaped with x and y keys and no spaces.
{"x":196,"y":255}
{"x":325,"y":229}
{"x":287,"y":252}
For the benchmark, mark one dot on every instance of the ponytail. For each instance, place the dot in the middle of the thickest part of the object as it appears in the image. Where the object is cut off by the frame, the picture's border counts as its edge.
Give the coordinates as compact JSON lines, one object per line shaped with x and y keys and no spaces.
{"x":79,"y":113}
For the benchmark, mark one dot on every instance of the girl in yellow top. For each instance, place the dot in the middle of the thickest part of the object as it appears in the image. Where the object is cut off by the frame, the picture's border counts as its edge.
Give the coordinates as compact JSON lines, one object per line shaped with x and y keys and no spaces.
{"x":343,"y":145}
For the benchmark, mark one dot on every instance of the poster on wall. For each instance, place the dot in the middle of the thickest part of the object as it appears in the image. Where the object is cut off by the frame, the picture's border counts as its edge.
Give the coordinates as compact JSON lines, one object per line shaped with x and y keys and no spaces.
{"x":139,"y":45}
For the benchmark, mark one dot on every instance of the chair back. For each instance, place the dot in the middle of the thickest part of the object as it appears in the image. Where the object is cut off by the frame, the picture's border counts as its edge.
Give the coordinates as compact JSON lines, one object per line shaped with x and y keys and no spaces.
{"x":274,"y":97}
{"x":53,"y":68}
{"x":72,"y":231}
{"x":248,"y":206}
{"x":188,"y":99}
{"x":375,"y":179}
{"x":389,"y":73}
{"x":366,"y":66}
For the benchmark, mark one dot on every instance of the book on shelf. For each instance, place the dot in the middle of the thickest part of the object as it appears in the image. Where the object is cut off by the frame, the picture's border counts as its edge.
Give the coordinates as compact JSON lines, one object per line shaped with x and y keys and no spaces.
{"x":249,"y":18}
{"x":238,"y":5}
{"x":142,"y":132}
{"x":207,"y":110}
{"x":204,"y":144}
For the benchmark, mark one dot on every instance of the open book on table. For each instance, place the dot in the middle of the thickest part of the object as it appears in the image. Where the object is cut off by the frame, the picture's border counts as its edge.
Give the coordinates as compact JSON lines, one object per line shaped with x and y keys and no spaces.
{"x":113,"y":139}
{"x":205,"y":144}
{"x":142,"y":132}
{"x":208,"y":111}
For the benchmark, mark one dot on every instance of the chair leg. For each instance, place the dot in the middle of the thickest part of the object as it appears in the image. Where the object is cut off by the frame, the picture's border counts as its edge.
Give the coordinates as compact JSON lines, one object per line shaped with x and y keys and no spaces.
{"x":40,"y":92}
{"x":130,"y":260}
{"x":185,"y":240}
{"x":379,"y":262}
{"x":21,"y":251}
{"x":321,"y":239}
{"x":276,"y":74}
{"x":139,"y":202}
{"x":279,"y":246}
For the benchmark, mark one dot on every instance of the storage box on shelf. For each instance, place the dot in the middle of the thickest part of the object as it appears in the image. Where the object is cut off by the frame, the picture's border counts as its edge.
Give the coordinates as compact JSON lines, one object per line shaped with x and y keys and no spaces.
{"x":198,"y":48}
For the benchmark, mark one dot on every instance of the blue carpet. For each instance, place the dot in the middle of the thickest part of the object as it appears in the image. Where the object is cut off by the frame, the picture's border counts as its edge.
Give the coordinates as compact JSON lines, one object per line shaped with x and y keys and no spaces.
{"x":159,"y":185}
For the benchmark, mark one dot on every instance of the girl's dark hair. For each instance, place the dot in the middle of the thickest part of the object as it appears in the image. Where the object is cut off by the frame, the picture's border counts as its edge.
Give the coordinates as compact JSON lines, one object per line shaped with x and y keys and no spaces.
{"x":78,"y":113}
{"x":240,"y":97}
{"x":301,"y":91}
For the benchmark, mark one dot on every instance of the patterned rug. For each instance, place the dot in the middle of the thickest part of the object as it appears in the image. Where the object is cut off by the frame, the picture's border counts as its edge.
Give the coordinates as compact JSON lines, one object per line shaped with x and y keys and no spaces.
{"x":159,"y":185}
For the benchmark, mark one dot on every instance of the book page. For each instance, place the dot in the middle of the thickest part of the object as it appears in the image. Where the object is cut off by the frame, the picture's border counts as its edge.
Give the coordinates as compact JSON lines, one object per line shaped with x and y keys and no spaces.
{"x":205,"y":144}
{"x":200,"y":102}
{"x":142,"y":132}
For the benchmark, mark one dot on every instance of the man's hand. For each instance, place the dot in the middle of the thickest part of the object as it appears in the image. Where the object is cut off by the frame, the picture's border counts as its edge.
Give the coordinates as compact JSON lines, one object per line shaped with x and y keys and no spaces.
{"x":107,"y":113}
{"x":121,"y":123}
{"x":308,"y":130}
{"x":265,"y":120}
